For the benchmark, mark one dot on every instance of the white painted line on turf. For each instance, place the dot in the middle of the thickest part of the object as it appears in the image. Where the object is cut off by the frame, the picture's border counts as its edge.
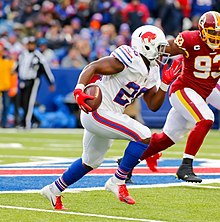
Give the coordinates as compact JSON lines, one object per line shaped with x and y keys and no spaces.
{"x":42,"y":131}
{"x":76,"y":190}
{"x":79,"y":214}
{"x":11,"y":145}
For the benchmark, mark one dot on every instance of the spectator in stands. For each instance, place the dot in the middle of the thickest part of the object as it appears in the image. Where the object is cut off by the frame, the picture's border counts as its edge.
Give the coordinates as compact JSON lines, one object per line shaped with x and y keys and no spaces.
{"x":46,"y":14}
{"x":14,"y":46}
{"x":120,"y":40}
{"x":186,"y":7}
{"x":94,"y":29}
{"x":3,"y":13}
{"x":109,"y":31}
{"x":74,"y":59}
{"x":171,"y":18}
{"x":19,"y":30}
{"x":84,"y":47}
{"x":7,"y":67}
{"x":135,"y":14}
{"x":28,"y":13}
{"x":56,"y":39}
{"x":68,"y":33}
{"x":65,"y":10}
{"x":47,"y":52}
{"x":54,"y":34}
{"x":200,"y":7}
{"x":30,"y":29}
{"x":124,"y":30}
{"x":76,"y":25}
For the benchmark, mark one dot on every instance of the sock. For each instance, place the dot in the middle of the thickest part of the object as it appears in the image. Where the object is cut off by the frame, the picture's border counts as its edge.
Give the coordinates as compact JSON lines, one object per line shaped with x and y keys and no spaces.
{"x":188,"y":156}
{"x":159,"y":142}
{"x":60,"y":184}
{"x":196,"y":136}
{"x":187,"y":161}
{"x":130,"y":159}
{"x":75,"y":172}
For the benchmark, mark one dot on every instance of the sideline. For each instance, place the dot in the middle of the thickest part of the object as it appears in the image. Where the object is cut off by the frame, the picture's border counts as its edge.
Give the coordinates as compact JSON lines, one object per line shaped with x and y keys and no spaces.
{"x":79,"y":214}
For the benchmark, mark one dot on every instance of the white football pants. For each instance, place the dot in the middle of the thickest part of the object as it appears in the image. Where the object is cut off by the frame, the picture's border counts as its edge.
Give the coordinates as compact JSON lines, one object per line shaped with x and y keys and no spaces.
{"x":214,"y":98}
{"x":188,"y":108}
{"x":101,"y":127}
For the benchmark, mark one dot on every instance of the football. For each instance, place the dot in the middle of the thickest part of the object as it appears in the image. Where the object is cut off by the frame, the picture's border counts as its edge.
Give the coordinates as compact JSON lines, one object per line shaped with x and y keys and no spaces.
{"x":93,"y":90}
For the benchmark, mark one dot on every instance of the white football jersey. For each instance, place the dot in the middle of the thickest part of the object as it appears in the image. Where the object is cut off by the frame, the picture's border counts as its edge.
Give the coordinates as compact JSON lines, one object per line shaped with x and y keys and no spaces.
{"x":121,"y":89}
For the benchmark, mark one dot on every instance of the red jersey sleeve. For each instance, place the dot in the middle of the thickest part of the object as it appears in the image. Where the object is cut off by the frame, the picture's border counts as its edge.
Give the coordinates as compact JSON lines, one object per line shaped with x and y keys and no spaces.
{"x":200,"y":64}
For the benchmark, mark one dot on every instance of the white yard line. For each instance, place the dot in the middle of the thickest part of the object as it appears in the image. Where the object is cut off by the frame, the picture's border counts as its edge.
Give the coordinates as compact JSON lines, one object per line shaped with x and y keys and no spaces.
{"x":41,"y":130}
{"x":76,"y":190}
{"x":79,"y":214}
{"x":11,"y":146}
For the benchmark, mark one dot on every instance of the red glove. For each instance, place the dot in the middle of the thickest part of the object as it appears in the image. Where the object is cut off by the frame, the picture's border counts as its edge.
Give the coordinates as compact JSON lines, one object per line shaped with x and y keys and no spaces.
{"x":168,"y":75}
{"x":80,"y":98}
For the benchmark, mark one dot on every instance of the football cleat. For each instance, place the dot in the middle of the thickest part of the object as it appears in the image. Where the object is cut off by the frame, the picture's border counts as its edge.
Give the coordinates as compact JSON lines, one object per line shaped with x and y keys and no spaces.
{"x":185,"y":172}
{"x":120,"y":191}
{"x":152,"y":161}
{"x":55,"y":201}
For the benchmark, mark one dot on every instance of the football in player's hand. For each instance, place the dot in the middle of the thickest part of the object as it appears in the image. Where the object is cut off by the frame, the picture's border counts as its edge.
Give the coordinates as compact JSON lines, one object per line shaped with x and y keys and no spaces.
{"x":93,"y":90}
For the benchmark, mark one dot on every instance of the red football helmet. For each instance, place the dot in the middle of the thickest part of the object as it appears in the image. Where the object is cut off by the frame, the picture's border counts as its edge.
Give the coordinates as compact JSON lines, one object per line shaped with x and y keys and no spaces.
{"x":209,"y":26}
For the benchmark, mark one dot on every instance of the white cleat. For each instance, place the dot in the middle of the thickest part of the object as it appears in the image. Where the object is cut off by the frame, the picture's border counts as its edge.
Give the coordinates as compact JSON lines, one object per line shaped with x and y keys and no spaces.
{"x":120,"y":191}
{"x":55,"y":201}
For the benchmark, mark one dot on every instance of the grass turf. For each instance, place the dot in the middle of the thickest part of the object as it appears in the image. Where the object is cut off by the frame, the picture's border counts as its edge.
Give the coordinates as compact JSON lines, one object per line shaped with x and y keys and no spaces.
{"x":173,"y":204}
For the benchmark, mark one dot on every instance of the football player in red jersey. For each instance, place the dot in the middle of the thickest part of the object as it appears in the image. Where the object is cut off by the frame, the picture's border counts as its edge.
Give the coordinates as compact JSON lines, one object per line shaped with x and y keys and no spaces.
{"x":188,"y":93}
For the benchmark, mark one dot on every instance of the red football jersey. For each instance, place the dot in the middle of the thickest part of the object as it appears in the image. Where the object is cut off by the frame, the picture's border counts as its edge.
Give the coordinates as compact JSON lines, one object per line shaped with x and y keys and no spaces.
{"x":201,"y":65}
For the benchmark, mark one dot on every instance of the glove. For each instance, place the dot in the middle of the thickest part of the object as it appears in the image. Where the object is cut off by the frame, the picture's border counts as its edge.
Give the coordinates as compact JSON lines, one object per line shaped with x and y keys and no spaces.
{"x":168,"y":75}
{"x":80,"y":98}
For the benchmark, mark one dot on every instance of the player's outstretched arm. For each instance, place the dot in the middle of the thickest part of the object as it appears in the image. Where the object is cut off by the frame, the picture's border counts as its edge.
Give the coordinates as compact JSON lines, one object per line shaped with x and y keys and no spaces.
{"x":154,"y":98}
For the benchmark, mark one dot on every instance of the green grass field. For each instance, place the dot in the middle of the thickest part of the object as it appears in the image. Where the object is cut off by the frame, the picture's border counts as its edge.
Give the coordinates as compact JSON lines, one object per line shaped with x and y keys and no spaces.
{"x":191,"y":203}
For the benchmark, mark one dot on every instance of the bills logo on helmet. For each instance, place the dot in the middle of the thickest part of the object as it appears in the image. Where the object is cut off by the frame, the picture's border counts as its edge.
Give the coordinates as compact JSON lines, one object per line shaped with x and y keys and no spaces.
{"x":149,"y":36}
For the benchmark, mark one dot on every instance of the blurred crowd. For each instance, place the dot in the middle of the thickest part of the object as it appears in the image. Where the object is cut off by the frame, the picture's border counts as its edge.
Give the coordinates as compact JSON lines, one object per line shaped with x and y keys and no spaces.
{"x":72,"y":33}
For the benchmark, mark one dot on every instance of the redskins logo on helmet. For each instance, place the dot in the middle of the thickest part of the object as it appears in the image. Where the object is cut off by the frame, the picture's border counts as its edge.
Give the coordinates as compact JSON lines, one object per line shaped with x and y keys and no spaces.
{"x":209,"y":26}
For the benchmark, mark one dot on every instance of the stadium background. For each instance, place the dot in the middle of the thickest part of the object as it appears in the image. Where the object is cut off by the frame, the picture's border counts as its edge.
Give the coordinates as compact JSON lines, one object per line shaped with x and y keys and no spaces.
{"x":76,"y":32}
{"x":23,"y":154}
{"x":66,"y":80}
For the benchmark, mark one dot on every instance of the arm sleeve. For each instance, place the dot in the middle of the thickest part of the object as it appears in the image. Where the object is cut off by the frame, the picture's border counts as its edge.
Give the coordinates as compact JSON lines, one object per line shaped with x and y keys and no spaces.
{"x":46,"y":68}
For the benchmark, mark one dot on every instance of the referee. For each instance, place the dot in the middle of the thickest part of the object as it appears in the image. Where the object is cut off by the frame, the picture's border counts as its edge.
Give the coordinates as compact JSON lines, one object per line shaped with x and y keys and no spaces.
{"x":31,"y":64}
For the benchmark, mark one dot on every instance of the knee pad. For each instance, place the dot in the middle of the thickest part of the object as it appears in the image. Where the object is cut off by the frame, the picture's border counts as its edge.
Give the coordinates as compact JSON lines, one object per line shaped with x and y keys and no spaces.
{"x":205,"y":124}
{"x":93,"y":164}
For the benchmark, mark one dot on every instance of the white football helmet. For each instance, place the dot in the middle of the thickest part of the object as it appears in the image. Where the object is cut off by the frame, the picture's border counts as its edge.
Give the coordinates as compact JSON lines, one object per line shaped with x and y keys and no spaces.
{"x":151,"y":42}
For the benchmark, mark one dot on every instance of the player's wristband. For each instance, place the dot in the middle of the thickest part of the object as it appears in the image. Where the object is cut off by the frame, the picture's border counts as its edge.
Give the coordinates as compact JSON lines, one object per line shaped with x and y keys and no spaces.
{"x":80,"y":86}
{"x":164,"y":86}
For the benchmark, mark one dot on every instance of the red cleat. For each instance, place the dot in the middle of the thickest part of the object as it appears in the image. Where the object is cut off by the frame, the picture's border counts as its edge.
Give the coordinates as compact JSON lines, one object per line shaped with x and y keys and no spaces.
{"x":123,"y":195}
{"x":55,"y":201}
{"x":59,"y":204}
{"x":152,"y":161}
{"x":120,"y":191}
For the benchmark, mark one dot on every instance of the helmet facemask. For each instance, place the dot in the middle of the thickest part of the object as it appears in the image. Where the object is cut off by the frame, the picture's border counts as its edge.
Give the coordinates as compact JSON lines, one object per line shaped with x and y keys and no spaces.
{"x":163,"y":56}
{"x":212,"y":37}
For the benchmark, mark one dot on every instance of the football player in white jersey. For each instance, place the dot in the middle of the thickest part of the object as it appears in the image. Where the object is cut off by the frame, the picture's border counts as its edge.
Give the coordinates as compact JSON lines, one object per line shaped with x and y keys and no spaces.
{"x":128,"y":73}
